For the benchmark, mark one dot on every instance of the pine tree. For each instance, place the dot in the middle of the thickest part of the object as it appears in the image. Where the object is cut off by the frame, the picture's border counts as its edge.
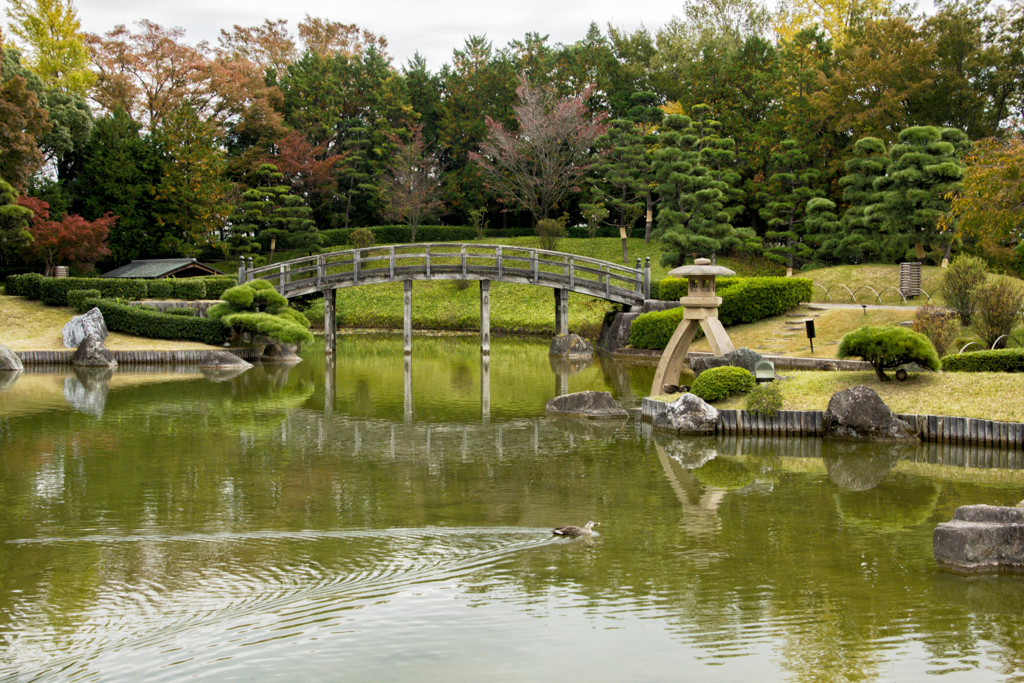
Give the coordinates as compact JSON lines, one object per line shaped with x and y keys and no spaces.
{"x":698,"y":199}
{"x":925,"y":167}
{"x":858,"y":241}
{"x":790,"y":188}
{"x":268,"y":212}
{"x":823,"y":228}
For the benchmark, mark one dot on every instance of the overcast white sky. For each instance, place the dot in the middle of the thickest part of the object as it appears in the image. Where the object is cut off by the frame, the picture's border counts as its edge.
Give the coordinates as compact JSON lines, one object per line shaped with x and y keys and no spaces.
{"x":433,"y":27}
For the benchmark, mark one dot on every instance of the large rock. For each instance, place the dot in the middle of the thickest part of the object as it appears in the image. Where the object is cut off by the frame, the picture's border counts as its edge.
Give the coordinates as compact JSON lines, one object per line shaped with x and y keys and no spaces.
{"x":595,"y":404}
{"x":615,"y":330}
{"x":79,"y":327}
{"x":740,"y":358}
{"x":278,"y":352}
{"x":688,"y":414}
{"x":9,"y":360}
{"x":570,"y":346}
{"x":860,"y":413}
{"x":92,"y":353}
{"x":223,"y":359}
{"x":981,"y":539}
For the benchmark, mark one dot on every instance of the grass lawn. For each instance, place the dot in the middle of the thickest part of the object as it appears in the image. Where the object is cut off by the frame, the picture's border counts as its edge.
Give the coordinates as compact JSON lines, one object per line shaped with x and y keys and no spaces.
{"x":33,"y":326}
{"x":988,"y":395}
{"x":878,"y":277}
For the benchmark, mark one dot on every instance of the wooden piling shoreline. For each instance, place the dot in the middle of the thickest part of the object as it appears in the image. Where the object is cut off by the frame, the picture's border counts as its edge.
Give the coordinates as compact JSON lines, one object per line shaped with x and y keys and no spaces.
{"x":943,"y":429}
{"x":184,"y":356}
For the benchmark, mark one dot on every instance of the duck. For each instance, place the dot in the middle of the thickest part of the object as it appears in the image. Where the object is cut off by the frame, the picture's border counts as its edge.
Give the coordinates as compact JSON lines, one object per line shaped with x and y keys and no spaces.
{"x":585,"y":530}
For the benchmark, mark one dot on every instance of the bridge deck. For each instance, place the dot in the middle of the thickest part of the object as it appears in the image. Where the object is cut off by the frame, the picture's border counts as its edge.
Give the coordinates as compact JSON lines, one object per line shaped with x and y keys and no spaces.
{"x":497,"y":263}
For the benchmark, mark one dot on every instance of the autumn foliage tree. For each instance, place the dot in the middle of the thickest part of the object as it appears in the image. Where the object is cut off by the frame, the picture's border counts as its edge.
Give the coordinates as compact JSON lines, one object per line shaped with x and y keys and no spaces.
{"x":72,"y":240}
{"x":541,"y":163}
{"x":412,"y":181}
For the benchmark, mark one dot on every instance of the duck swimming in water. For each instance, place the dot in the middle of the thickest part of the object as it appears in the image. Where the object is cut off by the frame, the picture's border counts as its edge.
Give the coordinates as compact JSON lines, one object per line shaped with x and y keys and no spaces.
{"x":585,"y":530}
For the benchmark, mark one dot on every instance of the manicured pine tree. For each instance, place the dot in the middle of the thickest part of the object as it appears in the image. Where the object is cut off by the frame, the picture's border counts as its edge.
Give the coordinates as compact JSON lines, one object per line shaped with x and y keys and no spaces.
{"x":696,"y":187}
{"x":790,"y":187}
{"x":925,"y":167}
{"x":858,"y":241}
{"x":619,"y":181}
{"x":269,"y":211}
{"x":823,"y":228}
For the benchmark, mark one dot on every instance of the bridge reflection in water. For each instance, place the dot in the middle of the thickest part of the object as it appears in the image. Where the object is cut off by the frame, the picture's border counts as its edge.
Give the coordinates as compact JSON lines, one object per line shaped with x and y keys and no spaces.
{"x":486,"y":263}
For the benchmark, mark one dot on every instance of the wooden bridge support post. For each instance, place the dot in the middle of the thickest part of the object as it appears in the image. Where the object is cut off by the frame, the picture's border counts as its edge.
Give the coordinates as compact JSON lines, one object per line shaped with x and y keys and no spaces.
{"x":561,"y":311}
{"x":407,"y":317}
{"x":330,"y":321}
{"x":485,"y":387}
{"x":485,"y":317}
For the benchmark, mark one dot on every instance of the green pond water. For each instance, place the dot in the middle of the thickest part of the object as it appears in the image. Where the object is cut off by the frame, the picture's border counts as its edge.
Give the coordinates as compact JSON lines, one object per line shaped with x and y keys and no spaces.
{"x":394,"y":524}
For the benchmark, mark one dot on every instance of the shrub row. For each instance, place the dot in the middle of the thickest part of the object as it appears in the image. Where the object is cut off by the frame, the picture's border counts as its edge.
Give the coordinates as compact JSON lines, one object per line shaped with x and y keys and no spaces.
{"x":54,"y":291}
{"x":78,"y":297}
{"x":400,"y":234}
{"x":746,"y":300}
{"x":136,"y":321}
{"x":1000,"y":360}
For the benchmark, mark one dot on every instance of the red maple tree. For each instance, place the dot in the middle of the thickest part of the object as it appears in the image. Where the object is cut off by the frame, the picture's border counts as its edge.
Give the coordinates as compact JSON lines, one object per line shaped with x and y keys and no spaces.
{"x":73,"y":240}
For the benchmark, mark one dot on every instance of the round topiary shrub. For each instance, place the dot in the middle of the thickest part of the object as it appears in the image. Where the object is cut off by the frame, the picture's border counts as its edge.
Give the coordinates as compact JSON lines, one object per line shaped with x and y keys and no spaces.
{"x":718,"y":383}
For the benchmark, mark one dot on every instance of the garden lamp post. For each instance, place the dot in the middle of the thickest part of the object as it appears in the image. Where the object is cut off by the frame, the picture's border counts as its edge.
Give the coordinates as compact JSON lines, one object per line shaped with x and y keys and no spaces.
{"x":700,"y":310}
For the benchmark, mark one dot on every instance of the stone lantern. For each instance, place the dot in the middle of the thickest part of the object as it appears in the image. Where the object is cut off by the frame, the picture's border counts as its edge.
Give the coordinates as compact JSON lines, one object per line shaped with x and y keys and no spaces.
{"x":700,"y":310}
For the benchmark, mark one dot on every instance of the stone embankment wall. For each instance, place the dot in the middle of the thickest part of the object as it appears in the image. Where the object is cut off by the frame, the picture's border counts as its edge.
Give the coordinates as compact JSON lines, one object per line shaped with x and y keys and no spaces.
{"x":965,"y":431}
{"x":135,"y":357}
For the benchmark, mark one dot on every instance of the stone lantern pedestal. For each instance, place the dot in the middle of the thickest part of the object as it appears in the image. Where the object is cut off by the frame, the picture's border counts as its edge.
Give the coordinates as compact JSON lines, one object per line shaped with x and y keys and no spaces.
{"x":700,"y":310}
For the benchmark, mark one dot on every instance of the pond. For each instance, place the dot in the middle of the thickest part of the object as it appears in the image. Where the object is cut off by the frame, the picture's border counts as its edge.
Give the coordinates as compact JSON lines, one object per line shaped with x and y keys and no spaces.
{"x":394,"y":524}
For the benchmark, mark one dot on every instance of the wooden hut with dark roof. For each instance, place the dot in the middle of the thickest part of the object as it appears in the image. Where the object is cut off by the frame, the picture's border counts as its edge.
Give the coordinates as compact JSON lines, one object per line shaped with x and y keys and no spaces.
{"x":152,"y":269}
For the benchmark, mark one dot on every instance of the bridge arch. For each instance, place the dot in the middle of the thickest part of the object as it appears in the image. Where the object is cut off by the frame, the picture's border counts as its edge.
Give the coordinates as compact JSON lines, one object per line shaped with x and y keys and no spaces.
{"x":486,"y":263}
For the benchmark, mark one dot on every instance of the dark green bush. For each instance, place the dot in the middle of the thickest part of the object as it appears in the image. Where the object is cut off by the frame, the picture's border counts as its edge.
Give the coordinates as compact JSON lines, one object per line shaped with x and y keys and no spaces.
{"x":218,"y":284}
{"x":118,"y":288}
{"x":257,"y":308}
{"x":550,"y":231}
{"x":159,"y":289}
{"x":996,"y":310}
{"x":54,"y":290}
{"x":1000,"y":360}
{"x":765,"y":399}
{"x":715,"y":384}
{"x":29,"y":285}
{"x":362,"y":238}
{"x":78,"y":297}
{"x":964,"y":275}
{"x":183,"y":311}
{"x":142,"y":323}
{"x":744,"y":300}
{"x":188,"y":288}
{"x":889,"y":347}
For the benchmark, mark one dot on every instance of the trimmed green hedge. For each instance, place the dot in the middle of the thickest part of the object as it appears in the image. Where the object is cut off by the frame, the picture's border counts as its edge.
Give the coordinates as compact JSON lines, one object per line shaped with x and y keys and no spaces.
{"x":78,"y":297}
{"x":999,"y":360}
{"x":744,"y":300}
{"x":715,"y":384}
{"x":188,"y":288}
{"x":183,"y":311}
{"x":54,"y":291}
{"x":400,"y":234}
{"x":153,"y":325}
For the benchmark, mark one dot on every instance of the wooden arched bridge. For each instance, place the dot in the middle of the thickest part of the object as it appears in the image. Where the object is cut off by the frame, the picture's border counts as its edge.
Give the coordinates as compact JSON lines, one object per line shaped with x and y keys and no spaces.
{"x":485,"y":263}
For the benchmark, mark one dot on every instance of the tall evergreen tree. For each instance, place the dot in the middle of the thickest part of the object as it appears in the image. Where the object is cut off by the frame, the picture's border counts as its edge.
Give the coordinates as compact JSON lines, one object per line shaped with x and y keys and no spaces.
{"x":268,"y":212}
{"x":790,"y":188}
{"x":697,"y":188}
{"x":925,"y":167}
{"x":858,"y":241}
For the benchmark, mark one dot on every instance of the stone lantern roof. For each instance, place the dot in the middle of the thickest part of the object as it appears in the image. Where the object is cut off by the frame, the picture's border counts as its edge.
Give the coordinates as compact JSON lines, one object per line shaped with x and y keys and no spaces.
{"x":701,"y":277}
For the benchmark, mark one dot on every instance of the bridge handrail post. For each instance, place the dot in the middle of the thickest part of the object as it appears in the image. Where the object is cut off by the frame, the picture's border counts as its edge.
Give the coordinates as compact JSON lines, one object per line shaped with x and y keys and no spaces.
{"x":428,"y":261}
{"x":497,"y":251}
{"x":607,"y":281}
{"x":241,"y":269}
{"x":572,"y":273}
{"x":647,"y":278}
{"x":463,"y":250}
{"x":536,"y":266}
{"x":355,"y":267}
{"x":639,"y":277}
{"x":391,"y":263}
{"x":321,"y":270}
{"x":280,"y":279}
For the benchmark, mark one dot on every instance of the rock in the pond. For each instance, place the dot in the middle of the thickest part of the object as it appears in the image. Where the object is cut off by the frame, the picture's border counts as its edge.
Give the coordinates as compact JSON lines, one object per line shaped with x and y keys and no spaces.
{"x":740,"y":358}
{"x":595,"y":404}
{"x":570,"y":345}
{"x":278,"y":352}
{"x":92,"y":353}
{"x":688,"y":414}
{"x":223,"y":359}
{"x":981,"y":539}
{"x":860,"y":413}
{"x":9,"y":360}
{"x":79,"y":327}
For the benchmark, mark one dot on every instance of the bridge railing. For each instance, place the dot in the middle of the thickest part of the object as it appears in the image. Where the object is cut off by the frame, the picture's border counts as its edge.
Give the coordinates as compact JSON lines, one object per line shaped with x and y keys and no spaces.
{"x":504,"y":263}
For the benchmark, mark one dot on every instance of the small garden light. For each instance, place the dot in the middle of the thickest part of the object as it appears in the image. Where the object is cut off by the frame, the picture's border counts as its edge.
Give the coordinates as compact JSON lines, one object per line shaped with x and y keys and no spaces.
{"x":865,"y":307}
